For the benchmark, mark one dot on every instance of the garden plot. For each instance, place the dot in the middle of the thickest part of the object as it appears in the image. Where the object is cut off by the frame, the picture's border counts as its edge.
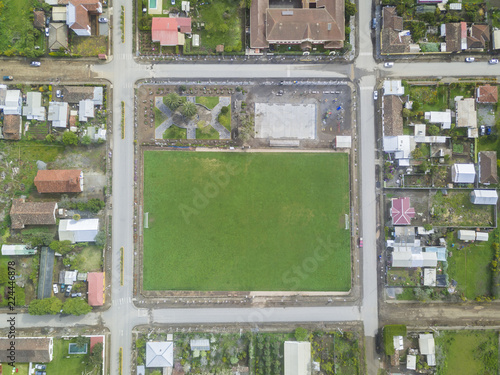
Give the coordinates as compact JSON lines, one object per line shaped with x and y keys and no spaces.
{"x":285,"y":121}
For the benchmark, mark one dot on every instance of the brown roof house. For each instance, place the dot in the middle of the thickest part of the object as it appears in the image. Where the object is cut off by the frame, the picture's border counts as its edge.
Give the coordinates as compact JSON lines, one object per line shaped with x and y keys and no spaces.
{"x":317,"y":22}
{"x":393,"y":39}
{"x":39,"y":19}
{"x":78,"y":15}
{"x":479,"y":35}
{"x":456,"y":36}
{"x":24,"y":213}
{"x":59,"y":181}
{"x":488,"y":167}
{"x":392,"y":110}
{"x":12,"y":127}
{"x":28,"y":349}
{"x":487,"y":94}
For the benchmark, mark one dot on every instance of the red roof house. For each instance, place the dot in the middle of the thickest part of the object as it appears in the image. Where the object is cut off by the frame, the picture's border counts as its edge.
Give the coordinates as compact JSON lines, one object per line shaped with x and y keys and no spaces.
{"x":401,"y":212}
{"x":96,"y":288}
{"x":487,"y":94}
{"x":169,"y":31}
{"x":59,"y":181}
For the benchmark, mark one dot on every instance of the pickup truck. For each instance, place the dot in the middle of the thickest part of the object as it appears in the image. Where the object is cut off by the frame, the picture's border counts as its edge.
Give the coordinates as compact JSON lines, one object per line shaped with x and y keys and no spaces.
{"x":8,"y":78}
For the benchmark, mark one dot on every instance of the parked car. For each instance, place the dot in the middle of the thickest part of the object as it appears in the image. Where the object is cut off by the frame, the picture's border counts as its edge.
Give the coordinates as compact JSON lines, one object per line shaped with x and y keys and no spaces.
{"x":374,"y":23}
{"x":73,"y":295}
{"x":36,"y":63}
{"x":470,"y":59}
{"x":40,"y":367}
{"x":360,"y":241}
{"x":58,"y":93}
{"x":63,"y":286}
{"x":56,"y":289}
{"x":493,"y":61}
{"x":8,"y":78}
{"x":68,"y":290}
{"x":375,"y":95}
{"x":46,"y":31}
{"x":482,"y":130}
{"x":488,"y":130}
{"x":388,"y":65}
{"x":103,"y":19}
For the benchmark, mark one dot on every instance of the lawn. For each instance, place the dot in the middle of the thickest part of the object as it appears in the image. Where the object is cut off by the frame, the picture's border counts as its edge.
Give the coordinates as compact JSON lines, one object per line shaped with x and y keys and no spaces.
{"x":470,"y":268}
{"x":88,"y":45}
{"x":159,"y":117}
{"x":16,"y":27}
{"x":208,"y":101}
{"x":208,"y":132}
{"x":61,"y":364}
{"x":93,"y":259}
{"x":240,"y":221}
{"x":174,"y":132}
{"x":431,"y":98}
{"x":467,"y":352}
{"x":460,"y":89}
{"x":22,"y":368}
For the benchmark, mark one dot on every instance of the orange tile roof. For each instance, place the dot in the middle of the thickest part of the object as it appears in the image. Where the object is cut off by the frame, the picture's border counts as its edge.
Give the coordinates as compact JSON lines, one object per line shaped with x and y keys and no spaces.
{"x":58,"y":181}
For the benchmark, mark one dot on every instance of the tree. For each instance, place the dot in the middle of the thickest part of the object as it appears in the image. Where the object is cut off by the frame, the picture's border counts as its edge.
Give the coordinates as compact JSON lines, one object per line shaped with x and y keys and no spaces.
{"x":76,"y":306}
{"x":40,"y":238}
{"x":76,"y":217}
{"x":94,"y":361}
{"x":70,"y":139}
{"x":173,"y":101}
{"x":433,"y":129}
{"x":100,"y":239}
{"x":406,"y":112}
{"x":81,"y":341}
{"x":189,"y":109}
{"x":86,"y":140}
{"x":301,"y":334}
{"x":50,"y":138}
{"x":62,"y":247}
{"x":350,"y":10}
{"x":45,"y":306}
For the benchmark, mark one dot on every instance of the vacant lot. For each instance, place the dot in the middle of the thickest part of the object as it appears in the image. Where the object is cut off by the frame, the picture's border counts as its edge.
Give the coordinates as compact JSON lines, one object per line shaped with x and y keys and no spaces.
{"x":470,"y":268}
{"x":467,"y":352}
{"x":238,"y":221}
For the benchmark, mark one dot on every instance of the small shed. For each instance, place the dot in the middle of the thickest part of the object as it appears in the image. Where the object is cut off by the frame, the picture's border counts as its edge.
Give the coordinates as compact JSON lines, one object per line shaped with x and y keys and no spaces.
{"x":398,"y":342}
{"x":482,"y":196}
{"x":411,"y":362}
{"x":343,"y":141}
{"x":426,"y":344}
{"x":463,"y":173}
{"x":200,"y":344}
{"x":67,"y":277}
{"x":466,"y":235}
{"x":430,"y":277}
{"x":195,"y":41}
{"x":481,"y":236}
{"x":17,"y":250}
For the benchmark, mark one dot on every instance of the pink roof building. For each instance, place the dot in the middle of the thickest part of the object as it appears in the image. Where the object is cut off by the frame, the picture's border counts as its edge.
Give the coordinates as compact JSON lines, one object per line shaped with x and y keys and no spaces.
{"x":96,"y":288}
{"x":169,"y":31}
{"x":401,"y":212}
{"x":96,"y":340}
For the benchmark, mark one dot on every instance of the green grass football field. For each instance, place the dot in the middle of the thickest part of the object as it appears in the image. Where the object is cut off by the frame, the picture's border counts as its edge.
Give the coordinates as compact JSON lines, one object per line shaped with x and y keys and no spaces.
{"x":246,"y":221}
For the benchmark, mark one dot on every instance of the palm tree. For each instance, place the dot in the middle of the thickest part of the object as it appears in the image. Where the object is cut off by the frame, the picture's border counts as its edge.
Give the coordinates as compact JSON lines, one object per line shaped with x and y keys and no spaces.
{"x":189,"y":109}
{"x":173,"y":101}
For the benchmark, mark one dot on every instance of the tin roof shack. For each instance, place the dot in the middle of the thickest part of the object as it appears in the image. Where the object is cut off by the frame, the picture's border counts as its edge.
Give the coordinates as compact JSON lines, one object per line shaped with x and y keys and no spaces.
{"x":463,"y":173}
{"x":489,"y":197}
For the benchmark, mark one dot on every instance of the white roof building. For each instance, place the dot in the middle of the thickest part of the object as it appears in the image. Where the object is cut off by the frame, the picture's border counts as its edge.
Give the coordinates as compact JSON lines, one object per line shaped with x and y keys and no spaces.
{"x":427,"y":347}
{"x":484,"y":197}
{"x":97,"y":99}
{"x":159,"y":354}
{"x":442,"y":118}
{"x":200,"y":344}
{"x":463,"y":173}
{"x":407,"y":259}
{"x":58,"y":114}
{"x":68,"y":277}
{"x":297,"y":358}
{"x":33,"y":109}
{"x":411,"y":362}
{"x":343,"y":141}
{"x":85,"y":110}
{"x":393,"y":87}
{"x":466,"y":235}
{"x":430,"y":277}
{"x":466,"y":112}
{"x":17,"y":250}
{"x":496,"y":39}
{"x":481,"y":236}
{"x":419,"y":130}
{"x":401,"y":146}
{"x":195,"y":41}
{"x":83,"y":230}
{"x":398,"y":342}
{"x":11,"y":105}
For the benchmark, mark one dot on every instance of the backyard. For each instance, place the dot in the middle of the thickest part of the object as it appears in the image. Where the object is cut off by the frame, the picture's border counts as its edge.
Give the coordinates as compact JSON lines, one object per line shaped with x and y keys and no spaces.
{"x":253,"y":232}
{"x":19,"y":37}
{"x":467,"y":352}
{"x":64,"y":363}
{"x":469,"y":266}
{"x":432,"y":98}
{"x":456,"y":209}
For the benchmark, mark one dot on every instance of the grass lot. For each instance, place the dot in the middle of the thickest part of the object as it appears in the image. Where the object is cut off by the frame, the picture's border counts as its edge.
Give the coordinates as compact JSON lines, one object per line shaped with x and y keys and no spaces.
{"x":174,"y":132}
{"x":456,"y":209}
{"x":159,"y":117}
{"x":463,"y":89}
{"x":61,"y":365}
{"x":432,"y":98}
{"x":208,"y":101}
{"x":470,"y":268}
{"x":21,"y":367}
{"x":93,"y":259}
{"x":467,"y":352}
{"x":208,"y":132}
{"x":16,"y":27}
{"x":88,"y":45}
{"x":403,"y":277}
{"x":235,"y":221}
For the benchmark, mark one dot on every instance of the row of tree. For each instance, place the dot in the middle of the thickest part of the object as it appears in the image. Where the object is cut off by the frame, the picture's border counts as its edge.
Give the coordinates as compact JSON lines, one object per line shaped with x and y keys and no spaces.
{"x":53,"y":305}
